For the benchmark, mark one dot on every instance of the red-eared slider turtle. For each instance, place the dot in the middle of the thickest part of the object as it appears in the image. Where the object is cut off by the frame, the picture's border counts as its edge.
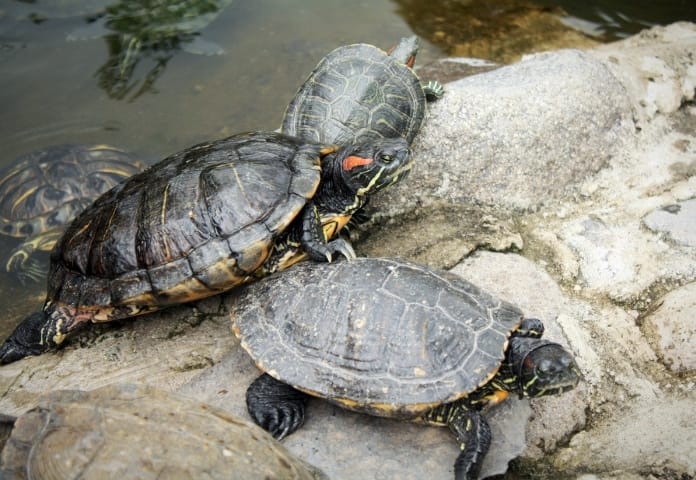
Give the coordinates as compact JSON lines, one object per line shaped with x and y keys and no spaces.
{"x":395,"y":339}
{"x":360,"y":92}
{"x":137,"y":432}
{"x":42,"y":191}
{"x":203,"y":221}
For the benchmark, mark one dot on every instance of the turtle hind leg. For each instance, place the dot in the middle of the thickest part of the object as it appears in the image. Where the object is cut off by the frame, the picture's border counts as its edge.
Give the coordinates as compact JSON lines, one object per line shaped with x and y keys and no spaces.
{"x":27,"y":339}
{"x":276,"y":406}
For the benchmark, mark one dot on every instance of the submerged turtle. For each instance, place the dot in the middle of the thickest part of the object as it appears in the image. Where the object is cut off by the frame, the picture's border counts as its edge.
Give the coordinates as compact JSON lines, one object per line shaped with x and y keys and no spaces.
{"x":126,"y":431}
{"x":42,"y":191}
{"x":395,"y":339}
{"x":360,"y":92}
{"x":203,"y":221}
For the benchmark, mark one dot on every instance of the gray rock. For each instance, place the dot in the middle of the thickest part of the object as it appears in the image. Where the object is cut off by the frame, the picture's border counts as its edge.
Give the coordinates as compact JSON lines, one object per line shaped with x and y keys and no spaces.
{"x":677,"y":220}
{"x":656,"y":67}
{"x":672,"y":329}
{"x":652,"y":436}
{"x":520,"y":135}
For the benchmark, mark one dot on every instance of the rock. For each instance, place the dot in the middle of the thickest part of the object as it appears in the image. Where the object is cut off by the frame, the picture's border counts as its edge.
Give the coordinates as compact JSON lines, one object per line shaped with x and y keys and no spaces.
{"x":134,"y":431}
{"x":656,"y":67}
{"x":566,"y":161}
{"x":656,"y":435}
{"x":672,"y":329}
{"x":164,"y":350}
{"x":511,"y":137}
{"x":677,"y":220}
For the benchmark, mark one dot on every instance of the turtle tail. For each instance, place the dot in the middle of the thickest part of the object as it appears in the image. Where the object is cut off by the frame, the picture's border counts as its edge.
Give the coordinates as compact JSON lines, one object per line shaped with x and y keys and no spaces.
{"x":27,"y":339}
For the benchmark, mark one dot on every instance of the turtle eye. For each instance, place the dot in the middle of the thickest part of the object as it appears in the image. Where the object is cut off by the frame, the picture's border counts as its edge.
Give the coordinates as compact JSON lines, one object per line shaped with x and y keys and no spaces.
{"x":386,"y":158}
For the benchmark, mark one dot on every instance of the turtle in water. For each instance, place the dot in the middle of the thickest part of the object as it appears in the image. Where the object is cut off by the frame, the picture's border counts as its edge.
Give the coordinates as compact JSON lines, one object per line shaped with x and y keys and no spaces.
{"x":201,"y":222}
{"x":395,"y":339}
{"x":359,"y":92}
{"x":42,"y":191}
{"x":128,"y":431}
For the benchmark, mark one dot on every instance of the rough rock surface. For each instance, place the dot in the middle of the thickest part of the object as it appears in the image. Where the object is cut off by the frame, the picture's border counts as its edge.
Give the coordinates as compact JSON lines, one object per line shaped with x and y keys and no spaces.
{"x":549,"y":182}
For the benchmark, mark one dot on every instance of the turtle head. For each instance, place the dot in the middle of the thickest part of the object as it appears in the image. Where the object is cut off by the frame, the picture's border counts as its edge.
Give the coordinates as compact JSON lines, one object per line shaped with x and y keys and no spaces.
{"x":405,"y":51}
{"x":542,"y":367}
{"x":360,"y":169}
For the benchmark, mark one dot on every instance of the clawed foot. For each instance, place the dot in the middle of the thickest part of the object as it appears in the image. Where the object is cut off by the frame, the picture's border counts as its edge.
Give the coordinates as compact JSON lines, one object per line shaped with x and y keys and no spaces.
{"x":275,"y":406}
{"x":327,"y":252}
{"x":433,"y":90}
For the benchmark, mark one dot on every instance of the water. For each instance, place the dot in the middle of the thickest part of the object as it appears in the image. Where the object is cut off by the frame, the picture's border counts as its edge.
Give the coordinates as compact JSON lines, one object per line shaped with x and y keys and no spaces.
{"x":57,"y":91}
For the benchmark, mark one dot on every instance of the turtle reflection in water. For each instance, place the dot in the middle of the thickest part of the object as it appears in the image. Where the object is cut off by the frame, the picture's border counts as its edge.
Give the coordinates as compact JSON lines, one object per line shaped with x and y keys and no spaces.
{"x":42,"y":191}
{"x":203,"y":221}
{"x":394,"y":339}
{"x":137,"y":432}
{"x":154,"y":29}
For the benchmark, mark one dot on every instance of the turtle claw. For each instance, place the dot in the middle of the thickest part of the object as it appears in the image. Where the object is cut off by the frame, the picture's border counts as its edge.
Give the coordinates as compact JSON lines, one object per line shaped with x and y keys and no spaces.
{"x":433,"y":90}
{"x":275,"y":406}
{"x":342,"y":246}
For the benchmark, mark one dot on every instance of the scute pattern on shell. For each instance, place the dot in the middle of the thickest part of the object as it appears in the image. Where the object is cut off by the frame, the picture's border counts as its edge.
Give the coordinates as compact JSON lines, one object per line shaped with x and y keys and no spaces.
{"x":126,"y":431}
{"x":195,"y":224}
{"x":384,"y":336}
{"x":47,"y":188}
{"x":357,"y":92}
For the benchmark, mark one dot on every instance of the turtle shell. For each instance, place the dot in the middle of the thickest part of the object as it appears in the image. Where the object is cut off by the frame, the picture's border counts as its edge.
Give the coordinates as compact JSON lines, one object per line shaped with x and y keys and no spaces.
{"x":124,"y":431}
{"x":195,"y":224}
{"x":382,"y":336}
{"x":357,"y":92}
{"x":47,"y":188}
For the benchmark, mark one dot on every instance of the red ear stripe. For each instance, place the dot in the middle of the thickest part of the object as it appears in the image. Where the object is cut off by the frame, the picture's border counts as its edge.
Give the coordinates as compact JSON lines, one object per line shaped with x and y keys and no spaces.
{"x":349,"y":163}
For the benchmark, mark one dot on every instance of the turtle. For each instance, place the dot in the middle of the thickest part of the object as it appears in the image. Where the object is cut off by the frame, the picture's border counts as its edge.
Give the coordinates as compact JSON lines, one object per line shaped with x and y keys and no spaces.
{"x":43,"y":190}
{"x":359,"y":92}
{"x":392,"y":338}
{"x":128,"y":431}
{"x":203,"y":221}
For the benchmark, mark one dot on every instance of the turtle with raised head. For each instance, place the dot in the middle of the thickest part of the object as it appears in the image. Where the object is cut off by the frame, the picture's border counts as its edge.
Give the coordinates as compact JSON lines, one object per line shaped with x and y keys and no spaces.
{"x":44,"y":190}
{"x":203,"y":221}
{"x":395,"y":339}
{"x":359,"y":92}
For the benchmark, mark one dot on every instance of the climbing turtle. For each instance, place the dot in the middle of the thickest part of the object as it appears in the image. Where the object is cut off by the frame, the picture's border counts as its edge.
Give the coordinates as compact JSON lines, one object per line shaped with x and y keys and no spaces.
{"x":203,"y":221}
{"x":127,"y":431}
{"x":360,"y":92}
{"x":42,"y":191}
{"x":395,"y":339}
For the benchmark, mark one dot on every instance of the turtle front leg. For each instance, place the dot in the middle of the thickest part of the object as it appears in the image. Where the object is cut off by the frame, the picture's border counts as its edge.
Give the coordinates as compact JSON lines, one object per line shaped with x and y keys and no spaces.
{"x":433,"y":90}
{"x":313,"y":239}
{"x":29,"y":338}
{"x":473,"y":434}
{"x":276,"y":406}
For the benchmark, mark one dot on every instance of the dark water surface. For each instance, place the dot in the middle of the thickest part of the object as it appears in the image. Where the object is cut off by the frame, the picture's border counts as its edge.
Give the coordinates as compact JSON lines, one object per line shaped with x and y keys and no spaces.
{"x":155,"y":98}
